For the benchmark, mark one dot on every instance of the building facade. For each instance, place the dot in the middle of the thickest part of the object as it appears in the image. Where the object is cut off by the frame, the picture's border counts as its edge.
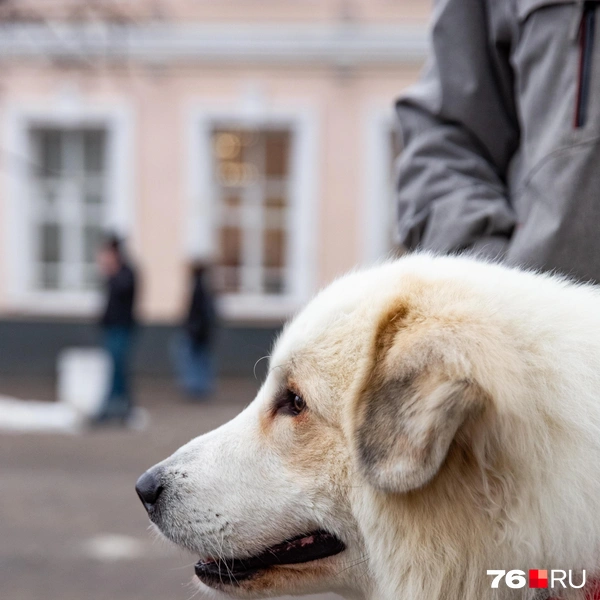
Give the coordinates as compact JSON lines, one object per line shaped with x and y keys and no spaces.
{"x":258,"y":135}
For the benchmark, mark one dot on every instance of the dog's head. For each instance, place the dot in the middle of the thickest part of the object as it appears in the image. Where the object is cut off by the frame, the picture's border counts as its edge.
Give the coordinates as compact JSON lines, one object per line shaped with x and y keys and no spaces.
{"x":379,"y":385}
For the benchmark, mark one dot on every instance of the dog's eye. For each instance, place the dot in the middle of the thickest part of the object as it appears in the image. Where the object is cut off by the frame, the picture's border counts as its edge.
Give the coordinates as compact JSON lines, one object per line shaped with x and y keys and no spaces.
{"x":298,"y":404}
{"x":290,"y":403}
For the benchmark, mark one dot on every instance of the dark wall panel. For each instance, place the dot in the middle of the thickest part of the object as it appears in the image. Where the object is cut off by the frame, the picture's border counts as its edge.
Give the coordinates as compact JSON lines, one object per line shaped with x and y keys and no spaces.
{"x":29,"y":347}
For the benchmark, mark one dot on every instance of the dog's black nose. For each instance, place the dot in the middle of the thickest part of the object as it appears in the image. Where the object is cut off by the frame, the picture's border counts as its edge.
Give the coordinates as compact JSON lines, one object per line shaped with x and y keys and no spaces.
{"x":149,"y":487}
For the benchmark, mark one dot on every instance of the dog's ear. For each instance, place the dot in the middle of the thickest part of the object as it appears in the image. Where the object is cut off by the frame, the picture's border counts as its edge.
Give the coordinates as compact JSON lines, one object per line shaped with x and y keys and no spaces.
{"x":410,"y":405}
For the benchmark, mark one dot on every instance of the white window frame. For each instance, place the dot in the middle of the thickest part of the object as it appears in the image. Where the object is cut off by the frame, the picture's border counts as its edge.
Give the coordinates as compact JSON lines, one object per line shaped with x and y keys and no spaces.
{"x":201,"y":226}
{"x":117,"y":121}
{"x":379,"y":124}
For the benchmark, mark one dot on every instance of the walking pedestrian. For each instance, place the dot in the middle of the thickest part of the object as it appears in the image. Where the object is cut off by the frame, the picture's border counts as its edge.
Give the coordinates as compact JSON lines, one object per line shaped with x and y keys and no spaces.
{"x":194,"y":344}
{"x":117,"y":323}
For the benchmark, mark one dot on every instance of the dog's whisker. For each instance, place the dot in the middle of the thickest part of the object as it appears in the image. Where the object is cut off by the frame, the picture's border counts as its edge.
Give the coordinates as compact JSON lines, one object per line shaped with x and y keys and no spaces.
{"x":186,"y":566}
{"x":354,"y":564}
{"x":196,"y":592}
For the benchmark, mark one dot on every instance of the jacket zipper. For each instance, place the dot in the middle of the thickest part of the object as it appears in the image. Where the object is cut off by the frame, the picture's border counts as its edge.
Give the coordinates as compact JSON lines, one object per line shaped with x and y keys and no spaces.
{"x":587,"y":29}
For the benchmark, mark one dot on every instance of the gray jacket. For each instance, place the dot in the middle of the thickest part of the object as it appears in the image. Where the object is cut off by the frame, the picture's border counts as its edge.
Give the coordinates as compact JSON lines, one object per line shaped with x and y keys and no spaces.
{"x":502,"y":135}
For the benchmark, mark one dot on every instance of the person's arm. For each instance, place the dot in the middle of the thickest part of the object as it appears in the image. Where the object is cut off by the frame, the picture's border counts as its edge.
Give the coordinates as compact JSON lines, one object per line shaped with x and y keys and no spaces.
{"x":459,"y":132}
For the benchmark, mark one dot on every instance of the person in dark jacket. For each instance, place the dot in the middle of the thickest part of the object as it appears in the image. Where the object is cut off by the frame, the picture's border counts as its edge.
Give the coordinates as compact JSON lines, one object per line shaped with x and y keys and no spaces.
{"x":117,"y":323}
{"x":193,"y":347}
{"x":501,"y":133}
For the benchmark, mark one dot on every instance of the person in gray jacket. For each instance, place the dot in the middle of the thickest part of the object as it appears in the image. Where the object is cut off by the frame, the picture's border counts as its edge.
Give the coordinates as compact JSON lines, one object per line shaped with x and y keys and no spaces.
{"x":502,"y":135}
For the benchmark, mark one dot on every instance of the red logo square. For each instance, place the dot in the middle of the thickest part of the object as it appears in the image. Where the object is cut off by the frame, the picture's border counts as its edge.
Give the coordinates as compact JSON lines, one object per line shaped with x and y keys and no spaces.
{"x":538,"y":578}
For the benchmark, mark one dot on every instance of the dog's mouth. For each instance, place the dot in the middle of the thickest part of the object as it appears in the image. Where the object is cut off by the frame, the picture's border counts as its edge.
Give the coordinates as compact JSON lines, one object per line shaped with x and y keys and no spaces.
{"x":300,"y":549}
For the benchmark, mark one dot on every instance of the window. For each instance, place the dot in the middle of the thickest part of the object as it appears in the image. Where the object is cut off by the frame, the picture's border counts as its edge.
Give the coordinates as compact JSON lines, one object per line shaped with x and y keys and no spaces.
{"x":251,"y":179}
{"x":67,"y":206}
{"x":382,"y":150}
{"x":71,"y":176}
{"x":395,"y":147}
{"x":253,"y":193}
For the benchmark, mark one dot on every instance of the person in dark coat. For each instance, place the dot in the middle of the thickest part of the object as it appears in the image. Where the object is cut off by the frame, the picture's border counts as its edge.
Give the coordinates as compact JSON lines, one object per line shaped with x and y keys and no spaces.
{"x":500,"y":136}
{"x":193,"y":349}
{"x":118,"y":323}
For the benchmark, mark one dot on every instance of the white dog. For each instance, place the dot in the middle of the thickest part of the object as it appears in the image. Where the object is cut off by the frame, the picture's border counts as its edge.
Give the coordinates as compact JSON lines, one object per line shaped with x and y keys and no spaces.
{"x":422,"y":422}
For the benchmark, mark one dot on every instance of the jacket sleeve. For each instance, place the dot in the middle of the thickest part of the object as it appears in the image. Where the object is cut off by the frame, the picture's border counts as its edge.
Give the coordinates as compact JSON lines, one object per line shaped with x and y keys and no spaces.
{"x":459,"y":131}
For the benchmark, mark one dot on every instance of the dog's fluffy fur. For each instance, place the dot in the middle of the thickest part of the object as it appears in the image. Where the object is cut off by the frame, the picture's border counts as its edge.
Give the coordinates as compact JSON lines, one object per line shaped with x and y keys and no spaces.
{"x":452,"y":426}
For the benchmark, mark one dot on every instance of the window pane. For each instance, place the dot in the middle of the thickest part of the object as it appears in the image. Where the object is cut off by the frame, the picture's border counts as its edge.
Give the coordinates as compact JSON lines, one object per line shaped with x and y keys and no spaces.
{"x":277,"y":153}
{"x":91,"y":277}
{"x":252,"y":140}
{"x":395,"y":146}
{"x":93,"y":150}
{"x":235,"y":154}
{"x":231,"y":214}
{"x":92,"y":237}
{"x":49,"y":243}
{"x":234,"y":173}
{"x":50,"y":144}
{"x":274,"y":254}
{"x":49,"y":276}
{"x":228,"y":279}
{"x":227,"y":145}
{"x":230,"y":246}
{"x":231,"y":202}
{"x":274,"y":282}
{"x":278,"y":202}
{"x":93,"y":197}
{"x":47,"y":192}
{"x":274,"y":219}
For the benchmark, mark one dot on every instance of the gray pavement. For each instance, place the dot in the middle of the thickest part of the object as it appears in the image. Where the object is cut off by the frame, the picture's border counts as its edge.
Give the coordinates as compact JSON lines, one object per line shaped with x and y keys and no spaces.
{"x":71,"y":526}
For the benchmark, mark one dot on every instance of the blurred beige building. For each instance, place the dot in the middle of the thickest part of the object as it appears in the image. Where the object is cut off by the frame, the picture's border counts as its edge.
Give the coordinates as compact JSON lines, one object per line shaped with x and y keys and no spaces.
{"x":255,"y":133}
